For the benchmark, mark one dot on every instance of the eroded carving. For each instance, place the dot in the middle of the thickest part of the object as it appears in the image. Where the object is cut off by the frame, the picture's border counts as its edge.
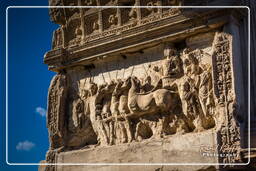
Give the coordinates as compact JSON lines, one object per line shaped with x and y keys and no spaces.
{"x":230,"y":135}
{"x":156,"y":90}
{"x":177,"y":98}
{"x":57,"y":39}
{"x":179,"y":94}
{"x":51,"y":159}
{"x":56,"y":113}
{"x":106,"y":22}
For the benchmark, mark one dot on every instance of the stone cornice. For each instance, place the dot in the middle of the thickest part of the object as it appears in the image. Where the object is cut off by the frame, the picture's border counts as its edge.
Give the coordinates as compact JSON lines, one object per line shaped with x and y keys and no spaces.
{"x":156,"y":29}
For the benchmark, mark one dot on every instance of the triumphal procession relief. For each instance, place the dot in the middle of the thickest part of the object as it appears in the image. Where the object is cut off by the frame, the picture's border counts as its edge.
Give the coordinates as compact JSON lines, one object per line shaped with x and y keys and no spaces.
{"x":135,"y":81}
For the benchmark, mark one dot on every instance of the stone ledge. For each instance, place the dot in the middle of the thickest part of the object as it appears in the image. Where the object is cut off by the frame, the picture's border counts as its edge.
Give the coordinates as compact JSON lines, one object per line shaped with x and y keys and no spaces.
{"x":173,"y":149}
{"x":185,"y":148}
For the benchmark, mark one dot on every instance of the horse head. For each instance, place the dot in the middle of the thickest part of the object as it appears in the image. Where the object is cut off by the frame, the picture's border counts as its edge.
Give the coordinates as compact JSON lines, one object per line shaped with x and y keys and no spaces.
{"x":126,"y":84}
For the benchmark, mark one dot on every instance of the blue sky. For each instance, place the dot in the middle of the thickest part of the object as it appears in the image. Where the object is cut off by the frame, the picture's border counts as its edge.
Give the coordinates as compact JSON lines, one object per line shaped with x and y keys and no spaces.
{"x":30,"y":34}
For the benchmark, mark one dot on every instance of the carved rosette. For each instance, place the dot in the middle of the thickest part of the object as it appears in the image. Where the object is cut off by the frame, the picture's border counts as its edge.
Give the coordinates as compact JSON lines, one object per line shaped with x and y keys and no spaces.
{"x":224,"y":92}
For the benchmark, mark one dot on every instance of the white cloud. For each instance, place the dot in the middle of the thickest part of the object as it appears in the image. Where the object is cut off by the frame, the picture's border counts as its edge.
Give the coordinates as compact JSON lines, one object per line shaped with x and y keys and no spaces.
{"x":25,"y":146}
{"x":41,"y":111}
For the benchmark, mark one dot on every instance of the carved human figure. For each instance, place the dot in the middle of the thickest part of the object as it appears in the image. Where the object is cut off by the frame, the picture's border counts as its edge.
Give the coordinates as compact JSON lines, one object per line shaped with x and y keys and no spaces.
{"x":79,"y":108}
{"x":172,"y":64}
{"x":95,"y":26}
{"x":152,"y":4}
{"x":205,"y":91}
{"x":196,"y":91}
{"x":133,"y":12}
{"x":188,"y":94}
{"x":171,"y":67}
{"x":80,"y":130}
{"x":95,"y":116}
{"x":78,"y":33}
{"x":190,"y":63}
{"x":188,"y":85}
{"x":104,"y":98}
{"x":113,"y":20}
{"x":155,"y":74}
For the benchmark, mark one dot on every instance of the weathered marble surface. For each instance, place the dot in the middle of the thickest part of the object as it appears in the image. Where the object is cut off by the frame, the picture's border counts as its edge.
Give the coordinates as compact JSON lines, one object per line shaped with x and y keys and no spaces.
{"x":175,"y":149}
{"x":144,"y":85}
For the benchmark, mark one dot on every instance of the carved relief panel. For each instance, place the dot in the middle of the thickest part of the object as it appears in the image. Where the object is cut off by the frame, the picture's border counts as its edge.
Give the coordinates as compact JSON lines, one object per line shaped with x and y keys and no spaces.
{"x":82,"y":23}
{"x":164,"y":91}
{"x":159,"y":92}
{"x":73,"y":32}
{"x":109,"y":18}
{"x":108,"y":2}
{"x":92,"y":24}
{"x":89,"y":3}
{"x":128,"y":14}
{"x":149,"y":11}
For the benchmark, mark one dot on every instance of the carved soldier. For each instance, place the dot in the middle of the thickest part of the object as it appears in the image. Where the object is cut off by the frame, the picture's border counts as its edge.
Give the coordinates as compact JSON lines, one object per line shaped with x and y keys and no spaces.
{"x":188,"y":85}
{"x":205,"y":91}
{"x":195,"y":91}
{"x":79,"y":107}
{"x":122,"y":125}
{"x":133,"y":11}
{"x":94,"y":115}
{"x":171,"y":67}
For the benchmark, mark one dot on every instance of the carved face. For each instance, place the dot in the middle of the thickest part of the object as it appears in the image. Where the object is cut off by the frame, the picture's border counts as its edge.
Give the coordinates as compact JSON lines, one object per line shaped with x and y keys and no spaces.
{"x":172,"y":66}
{"x":169,"y":52}
{"x":187,"y":66}
{"x":186,"y":87}
{"x":93,"y":88}
{"x":190,"y":64}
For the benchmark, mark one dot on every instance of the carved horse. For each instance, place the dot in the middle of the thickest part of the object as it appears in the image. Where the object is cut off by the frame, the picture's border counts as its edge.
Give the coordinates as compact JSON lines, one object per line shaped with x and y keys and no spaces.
{"x":157,"y":100}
